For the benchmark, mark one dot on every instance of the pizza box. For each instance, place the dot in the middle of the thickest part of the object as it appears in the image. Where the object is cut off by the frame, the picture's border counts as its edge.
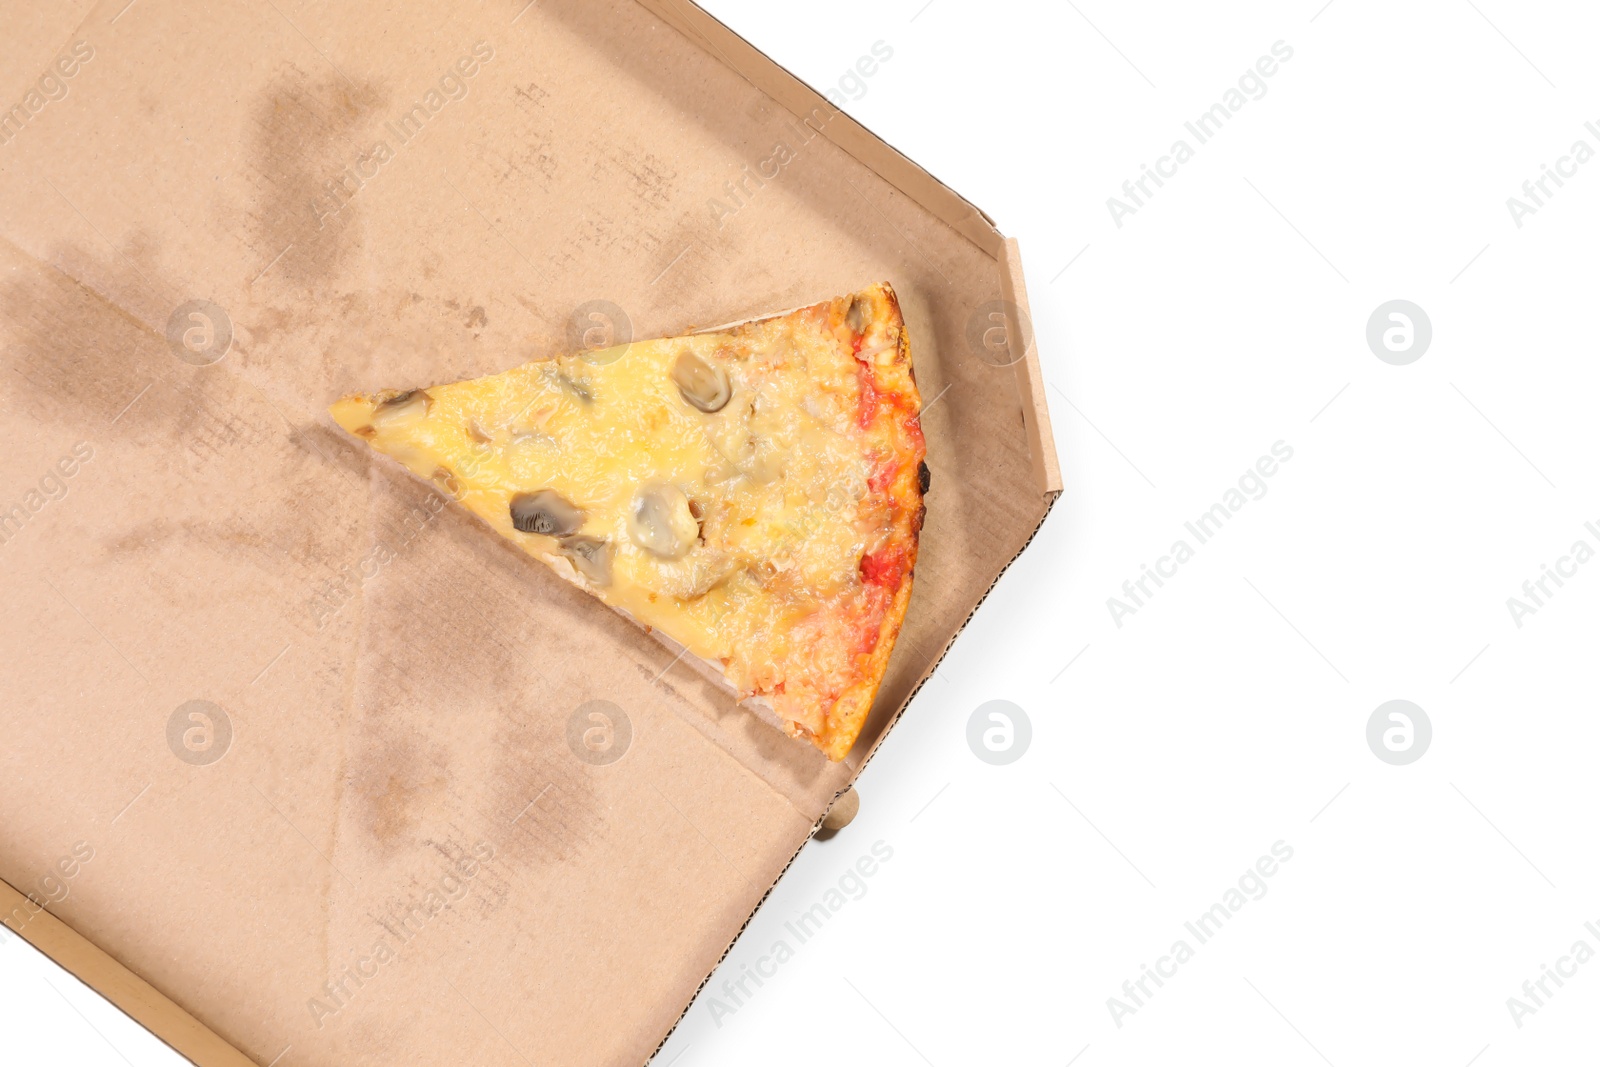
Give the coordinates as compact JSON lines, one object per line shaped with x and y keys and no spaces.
{"x":305,"y":766}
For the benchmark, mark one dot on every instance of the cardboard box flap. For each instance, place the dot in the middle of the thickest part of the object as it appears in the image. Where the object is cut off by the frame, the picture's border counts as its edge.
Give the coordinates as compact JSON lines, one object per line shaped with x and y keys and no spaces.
{"x":1021,"y":347}
{"x":315,"y":725}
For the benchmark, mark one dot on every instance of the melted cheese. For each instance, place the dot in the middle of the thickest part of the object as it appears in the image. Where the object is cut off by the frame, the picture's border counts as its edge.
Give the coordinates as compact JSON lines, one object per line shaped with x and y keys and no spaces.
{"x":767,"y":583}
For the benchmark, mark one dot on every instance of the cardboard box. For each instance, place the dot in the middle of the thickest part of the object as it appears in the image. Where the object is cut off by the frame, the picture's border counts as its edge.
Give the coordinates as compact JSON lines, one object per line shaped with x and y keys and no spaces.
{"x":299,"y":731}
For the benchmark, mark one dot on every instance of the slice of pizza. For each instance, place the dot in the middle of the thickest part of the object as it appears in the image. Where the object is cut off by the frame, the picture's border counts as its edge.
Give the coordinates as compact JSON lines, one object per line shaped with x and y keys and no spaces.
{"x":753,"y":493}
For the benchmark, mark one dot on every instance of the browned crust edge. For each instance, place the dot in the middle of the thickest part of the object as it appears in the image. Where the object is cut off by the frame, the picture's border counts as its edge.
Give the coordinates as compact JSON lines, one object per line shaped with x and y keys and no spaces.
{"x":848,"y":715}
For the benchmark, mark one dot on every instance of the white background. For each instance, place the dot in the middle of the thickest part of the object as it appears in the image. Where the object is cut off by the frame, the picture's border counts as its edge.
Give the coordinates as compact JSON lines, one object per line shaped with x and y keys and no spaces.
{"x":1229,"y":712}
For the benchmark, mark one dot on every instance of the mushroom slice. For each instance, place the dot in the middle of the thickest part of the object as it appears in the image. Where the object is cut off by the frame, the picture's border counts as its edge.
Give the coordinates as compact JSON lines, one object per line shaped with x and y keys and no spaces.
{"x":547,"y":512}
{"x":446,"y":479}
{"x":703,"y":386}
{"x":402,"y":408}
{"x":574,"y":386}
{"x":859,"y":316}
{"x":660,"y":522}
{"x":590,"y":555}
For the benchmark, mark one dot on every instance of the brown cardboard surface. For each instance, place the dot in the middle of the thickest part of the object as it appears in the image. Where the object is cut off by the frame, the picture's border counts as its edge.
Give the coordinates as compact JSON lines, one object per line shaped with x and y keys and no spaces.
{"x":398,"y":682}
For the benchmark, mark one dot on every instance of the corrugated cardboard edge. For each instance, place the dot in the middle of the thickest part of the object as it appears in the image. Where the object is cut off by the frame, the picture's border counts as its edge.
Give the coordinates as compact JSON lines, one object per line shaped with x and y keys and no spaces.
{"x":140,"y":1000}
{"x":191,"y":1038}
{"x":1030,"y":376}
